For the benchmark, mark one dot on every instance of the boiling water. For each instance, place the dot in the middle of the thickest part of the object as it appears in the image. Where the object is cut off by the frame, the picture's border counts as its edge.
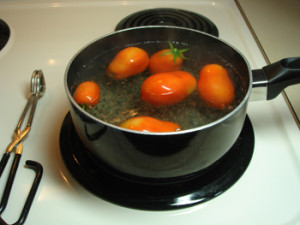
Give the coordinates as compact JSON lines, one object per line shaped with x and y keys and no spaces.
{"x":120,"y":100}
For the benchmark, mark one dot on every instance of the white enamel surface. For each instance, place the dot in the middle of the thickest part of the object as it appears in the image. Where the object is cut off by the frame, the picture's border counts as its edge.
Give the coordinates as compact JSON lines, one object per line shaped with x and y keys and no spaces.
{"x":45,"y":35}
{"x":277,"y":43}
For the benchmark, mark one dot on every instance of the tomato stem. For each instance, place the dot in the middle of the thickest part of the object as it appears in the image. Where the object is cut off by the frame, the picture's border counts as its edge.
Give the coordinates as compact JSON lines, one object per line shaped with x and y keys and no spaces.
{"x":175,"y":52}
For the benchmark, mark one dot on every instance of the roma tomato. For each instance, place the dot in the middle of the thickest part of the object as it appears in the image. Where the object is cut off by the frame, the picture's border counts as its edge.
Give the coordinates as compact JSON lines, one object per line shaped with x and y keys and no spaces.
{"x":149,"y":124}
{"x":166,"y":60}
{"x":164,"y":89}
{"x":128,"y":62}
{"x":187,"y":79}
{"x":87,"y":93}
{"x":215,"y":86}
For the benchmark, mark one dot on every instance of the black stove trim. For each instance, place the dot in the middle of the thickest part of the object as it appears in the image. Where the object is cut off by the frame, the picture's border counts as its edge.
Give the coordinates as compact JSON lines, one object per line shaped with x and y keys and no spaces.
{"x":155,"y":197}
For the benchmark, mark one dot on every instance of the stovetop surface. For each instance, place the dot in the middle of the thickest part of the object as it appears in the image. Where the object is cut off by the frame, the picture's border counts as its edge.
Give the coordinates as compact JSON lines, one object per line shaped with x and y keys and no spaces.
{"x":46,"y":35}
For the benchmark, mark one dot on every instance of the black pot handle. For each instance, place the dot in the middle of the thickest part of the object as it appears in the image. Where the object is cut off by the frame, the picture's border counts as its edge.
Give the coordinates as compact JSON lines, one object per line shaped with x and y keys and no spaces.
{"x":278,"y":76}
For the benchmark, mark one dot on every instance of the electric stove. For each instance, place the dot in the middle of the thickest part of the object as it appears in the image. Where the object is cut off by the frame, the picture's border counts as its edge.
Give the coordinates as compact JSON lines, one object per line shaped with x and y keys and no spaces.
{"x":46,"y":35}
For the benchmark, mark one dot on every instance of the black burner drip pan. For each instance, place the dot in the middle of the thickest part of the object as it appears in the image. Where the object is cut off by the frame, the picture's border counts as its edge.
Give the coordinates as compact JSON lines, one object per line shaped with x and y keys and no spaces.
{"x":155,"y":197}
{"x":4,"y":34}
{"x":169,"y":17}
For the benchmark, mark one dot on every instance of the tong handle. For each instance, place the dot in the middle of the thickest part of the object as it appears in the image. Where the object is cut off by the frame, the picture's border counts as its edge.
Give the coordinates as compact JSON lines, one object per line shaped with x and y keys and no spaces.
{"x":38,"y":168}
{"x":3,"y":162}
{"x":9,"y":182}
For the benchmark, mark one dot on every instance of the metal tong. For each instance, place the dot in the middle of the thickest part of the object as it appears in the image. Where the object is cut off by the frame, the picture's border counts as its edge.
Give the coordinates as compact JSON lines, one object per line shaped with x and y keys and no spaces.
{"x":37,"y":89}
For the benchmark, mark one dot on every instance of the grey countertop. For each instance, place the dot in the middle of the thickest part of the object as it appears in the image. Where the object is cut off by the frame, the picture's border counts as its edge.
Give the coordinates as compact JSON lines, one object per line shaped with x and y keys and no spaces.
{"x":276,"y":24}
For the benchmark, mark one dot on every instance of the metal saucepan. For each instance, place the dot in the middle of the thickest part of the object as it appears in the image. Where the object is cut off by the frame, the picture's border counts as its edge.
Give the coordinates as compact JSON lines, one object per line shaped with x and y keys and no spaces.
{"x":173,"y":156}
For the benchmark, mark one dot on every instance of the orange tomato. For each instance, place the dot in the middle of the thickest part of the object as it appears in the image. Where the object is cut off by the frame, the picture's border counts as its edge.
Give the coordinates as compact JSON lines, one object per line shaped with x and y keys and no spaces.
{"x":87,"y":93}
{"x":163,"y":89}
{"x":128,"y":62}
{"x":215,"y":86}
{"x":149,"y":124}
{"x":187,"y":79}
{"x":166,"y":60}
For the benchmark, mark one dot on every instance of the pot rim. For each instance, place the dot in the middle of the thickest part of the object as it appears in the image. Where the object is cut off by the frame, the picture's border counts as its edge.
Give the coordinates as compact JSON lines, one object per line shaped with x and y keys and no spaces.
{"x":191,"y":130}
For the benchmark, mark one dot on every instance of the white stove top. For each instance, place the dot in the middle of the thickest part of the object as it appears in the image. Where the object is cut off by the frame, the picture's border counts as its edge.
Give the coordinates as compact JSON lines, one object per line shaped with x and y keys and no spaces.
{"x":45,"y":35}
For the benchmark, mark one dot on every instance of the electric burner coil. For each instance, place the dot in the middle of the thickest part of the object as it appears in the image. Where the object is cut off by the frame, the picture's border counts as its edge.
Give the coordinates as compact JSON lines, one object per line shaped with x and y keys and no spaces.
{"x":169,"y":17}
